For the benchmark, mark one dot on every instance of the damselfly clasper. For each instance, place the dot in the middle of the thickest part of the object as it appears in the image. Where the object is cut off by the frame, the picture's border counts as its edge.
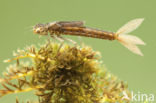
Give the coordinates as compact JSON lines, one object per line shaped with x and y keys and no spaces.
{"x":79,"y":29}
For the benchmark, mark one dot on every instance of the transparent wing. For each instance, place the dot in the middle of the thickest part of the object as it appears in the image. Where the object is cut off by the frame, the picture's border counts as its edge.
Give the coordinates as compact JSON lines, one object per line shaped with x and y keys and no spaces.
{"x":71,"y":23}
{"x":130,"y":26}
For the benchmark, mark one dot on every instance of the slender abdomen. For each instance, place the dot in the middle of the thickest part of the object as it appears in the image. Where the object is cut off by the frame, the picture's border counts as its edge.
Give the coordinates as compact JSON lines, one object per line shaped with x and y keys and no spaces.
{"x":88,"y":32}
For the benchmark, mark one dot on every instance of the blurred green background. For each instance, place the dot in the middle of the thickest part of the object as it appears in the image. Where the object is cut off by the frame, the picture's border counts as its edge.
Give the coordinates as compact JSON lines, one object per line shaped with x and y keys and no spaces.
{"x":17,"y":16}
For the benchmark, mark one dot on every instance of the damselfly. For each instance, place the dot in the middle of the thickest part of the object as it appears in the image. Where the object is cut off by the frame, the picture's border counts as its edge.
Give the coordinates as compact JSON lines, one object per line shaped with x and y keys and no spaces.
{"x":77,"y":28}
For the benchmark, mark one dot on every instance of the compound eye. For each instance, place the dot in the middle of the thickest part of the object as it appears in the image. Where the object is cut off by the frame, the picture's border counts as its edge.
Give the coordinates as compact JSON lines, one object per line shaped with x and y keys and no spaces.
{"x":38,"y":30}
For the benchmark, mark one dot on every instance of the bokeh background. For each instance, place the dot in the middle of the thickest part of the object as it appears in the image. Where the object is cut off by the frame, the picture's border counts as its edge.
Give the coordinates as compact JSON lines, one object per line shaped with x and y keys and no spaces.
{"x":17,"y":17}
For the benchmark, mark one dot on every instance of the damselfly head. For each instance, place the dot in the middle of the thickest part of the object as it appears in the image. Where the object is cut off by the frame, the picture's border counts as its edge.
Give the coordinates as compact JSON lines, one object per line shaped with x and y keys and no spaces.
{"x":40,"y":29}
